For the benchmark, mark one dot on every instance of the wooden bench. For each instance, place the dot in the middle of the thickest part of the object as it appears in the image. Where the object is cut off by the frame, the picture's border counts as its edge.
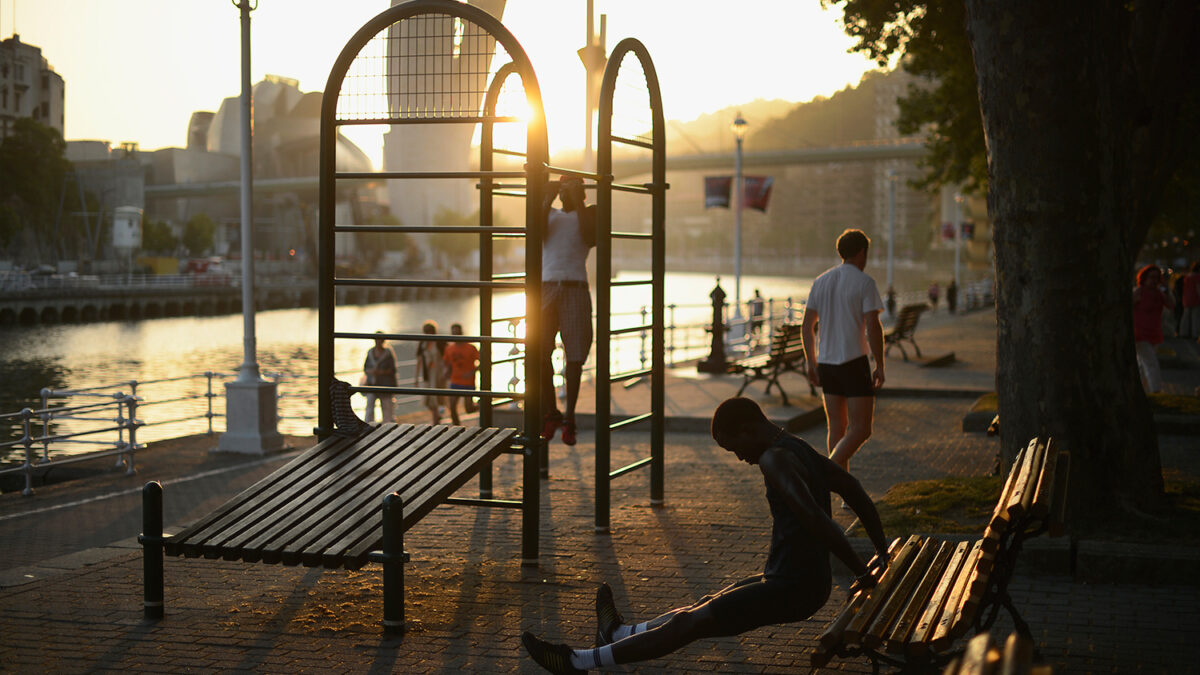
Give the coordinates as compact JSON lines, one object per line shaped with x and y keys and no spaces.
{"x":903,"y":329}
{"x":983,"y":655}
{"x":785,"y":354}
{"x":934,"y":592}
{"x":346,"y":501}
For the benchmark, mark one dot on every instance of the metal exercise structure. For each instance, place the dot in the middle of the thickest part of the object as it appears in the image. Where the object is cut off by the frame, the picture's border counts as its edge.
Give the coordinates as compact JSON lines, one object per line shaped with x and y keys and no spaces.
{"x":422,"y":64}
{"x":616,"y":72}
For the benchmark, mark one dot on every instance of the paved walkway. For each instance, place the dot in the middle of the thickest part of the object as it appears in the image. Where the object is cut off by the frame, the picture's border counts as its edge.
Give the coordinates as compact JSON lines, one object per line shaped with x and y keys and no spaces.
{"x":71,"y":575}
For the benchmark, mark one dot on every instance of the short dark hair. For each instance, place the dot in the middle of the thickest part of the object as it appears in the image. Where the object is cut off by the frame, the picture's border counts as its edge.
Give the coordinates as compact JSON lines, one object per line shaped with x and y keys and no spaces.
{"x":1146,"y":272}
{"x":852,"y":242}
{"x":734,"y":414}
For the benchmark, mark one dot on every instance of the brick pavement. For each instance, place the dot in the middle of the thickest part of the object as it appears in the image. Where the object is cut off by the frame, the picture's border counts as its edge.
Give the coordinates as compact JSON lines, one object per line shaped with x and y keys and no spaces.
{"x":469,"y":599}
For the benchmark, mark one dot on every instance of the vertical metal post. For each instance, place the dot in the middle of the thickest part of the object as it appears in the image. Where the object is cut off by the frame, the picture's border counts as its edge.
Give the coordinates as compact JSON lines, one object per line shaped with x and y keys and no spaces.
{"x":209,"y":395}
{"x":891,"y":178}
{"x":958,"y":202}
{"x":131,"y":402}
{"x":393,"y":564}
{"x":46,"y":416}
{"x":152,"y":550}
{"x":248,"y":372}
{"x":27,"y":440}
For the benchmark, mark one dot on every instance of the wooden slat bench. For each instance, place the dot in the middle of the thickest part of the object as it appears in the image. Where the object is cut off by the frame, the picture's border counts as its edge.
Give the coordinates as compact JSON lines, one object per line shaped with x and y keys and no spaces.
{"x":903,"y":329}
{"x":786,"y":354}
{"x":346,"y":501}
{"x":933,"y":591}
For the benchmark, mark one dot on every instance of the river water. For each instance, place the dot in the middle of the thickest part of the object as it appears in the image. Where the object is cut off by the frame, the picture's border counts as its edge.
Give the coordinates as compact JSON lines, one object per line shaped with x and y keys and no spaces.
{"x":78,"y":356}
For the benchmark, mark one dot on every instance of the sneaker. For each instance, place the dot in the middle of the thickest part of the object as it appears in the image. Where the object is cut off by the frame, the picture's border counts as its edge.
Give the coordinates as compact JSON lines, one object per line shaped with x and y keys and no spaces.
{"x":845,"y":506}
{"x":568,"y":433}
{"x":608,"y":619}
{"x":554,"y":658}
{"x":550,"y":424}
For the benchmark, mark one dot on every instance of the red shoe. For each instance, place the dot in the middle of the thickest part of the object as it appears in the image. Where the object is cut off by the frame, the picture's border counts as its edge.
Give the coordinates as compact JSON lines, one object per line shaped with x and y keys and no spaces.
{"x":550,"y":424}
{"x":568,"y":434}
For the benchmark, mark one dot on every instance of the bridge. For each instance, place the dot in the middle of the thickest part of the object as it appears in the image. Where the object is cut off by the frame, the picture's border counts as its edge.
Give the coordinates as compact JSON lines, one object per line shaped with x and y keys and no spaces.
{"x":902,"y":148}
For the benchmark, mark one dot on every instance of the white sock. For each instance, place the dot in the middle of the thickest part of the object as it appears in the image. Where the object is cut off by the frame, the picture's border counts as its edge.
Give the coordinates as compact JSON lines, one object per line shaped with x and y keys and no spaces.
{"x":591,"y":659}
{"x":623,"y":631}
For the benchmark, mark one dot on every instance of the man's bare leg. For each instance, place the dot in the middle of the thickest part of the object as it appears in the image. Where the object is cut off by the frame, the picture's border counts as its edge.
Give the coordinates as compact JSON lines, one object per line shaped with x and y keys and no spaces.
{"x":836,"y":418}
{"x":860,"y":411}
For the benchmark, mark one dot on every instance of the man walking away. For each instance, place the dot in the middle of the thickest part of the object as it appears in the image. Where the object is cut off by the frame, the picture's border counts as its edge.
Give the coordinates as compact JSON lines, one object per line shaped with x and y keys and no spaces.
{"x":845,"y":302}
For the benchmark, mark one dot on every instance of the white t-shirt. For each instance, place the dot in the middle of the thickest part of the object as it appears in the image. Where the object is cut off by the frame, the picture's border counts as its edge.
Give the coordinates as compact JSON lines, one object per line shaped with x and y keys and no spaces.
{"x":840,"y":297}
{"x":564,"y":253}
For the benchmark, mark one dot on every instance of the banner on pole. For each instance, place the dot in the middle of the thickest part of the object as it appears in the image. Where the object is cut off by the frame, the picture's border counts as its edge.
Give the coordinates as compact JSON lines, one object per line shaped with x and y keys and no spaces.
{"x":756,"y":191}
{"x":716,"y":191}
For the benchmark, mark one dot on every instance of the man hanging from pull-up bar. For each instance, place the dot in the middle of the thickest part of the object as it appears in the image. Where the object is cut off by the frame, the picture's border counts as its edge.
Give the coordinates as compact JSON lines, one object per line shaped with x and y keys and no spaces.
{"x":797,"y":579}
{"x":566,"y":301}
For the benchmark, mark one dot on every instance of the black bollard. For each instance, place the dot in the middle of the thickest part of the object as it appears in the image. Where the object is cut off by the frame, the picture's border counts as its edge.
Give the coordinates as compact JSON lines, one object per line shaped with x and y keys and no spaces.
{"x":715,"y":363}
{"x":393,"y":564}
{"x":151,"y":540}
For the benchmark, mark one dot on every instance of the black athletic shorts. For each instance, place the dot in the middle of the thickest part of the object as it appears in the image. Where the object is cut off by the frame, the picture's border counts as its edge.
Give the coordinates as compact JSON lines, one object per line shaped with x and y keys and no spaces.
{"x":757,"y":601}
{"x":852,"y":378}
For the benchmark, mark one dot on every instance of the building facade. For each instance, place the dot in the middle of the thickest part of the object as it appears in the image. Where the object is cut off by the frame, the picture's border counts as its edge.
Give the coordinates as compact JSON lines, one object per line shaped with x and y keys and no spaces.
{"x":29,"y":87}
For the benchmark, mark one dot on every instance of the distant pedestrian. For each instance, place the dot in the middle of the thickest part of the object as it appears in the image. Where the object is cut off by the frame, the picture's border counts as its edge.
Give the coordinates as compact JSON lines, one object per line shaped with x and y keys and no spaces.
{"x":1177,"y":281}
{"x":379,"y":370}
{"x":934,"y":292}
{"x":952,"y":296}
{"x":462,"y":358}
{"x":845,"y":302}
{"x":796,"y":579}
{"x":1191,"y":302}
{"x":891,"y":301}
{"x":1149,"y":300}
{"x":756,"y":314}
{"x":431,"y":370}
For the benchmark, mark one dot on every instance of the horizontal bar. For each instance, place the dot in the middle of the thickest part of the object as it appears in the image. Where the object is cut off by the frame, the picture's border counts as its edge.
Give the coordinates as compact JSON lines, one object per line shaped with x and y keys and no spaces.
{"x":508,"y":275}
{"x":507,"y":359}
{"x":639,"y":189}
{"x":432,"y":391}
{"x":633,"y":141}
{"x":497,"y":503}
{"x":430,"y":283}
{"x":632,"y":235}
{"x":573,"y":172}
{"x":626,"y":469}
{"x":73,"y":459}
{"x":630,"y":329}
{"x":465,"y":119}
{"x":452,"y":229}
{"x":435,"y":337}
{"x":506,"y":151}
{"x":631,"y":282}
{"x":386,"y":175}
{"x":508,"y":193}
{"x":630,"y":421}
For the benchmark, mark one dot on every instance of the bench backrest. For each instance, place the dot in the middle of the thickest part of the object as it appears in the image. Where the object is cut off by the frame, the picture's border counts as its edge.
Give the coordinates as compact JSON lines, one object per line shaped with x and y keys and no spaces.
{"x":906,"y":320}
{"x":787,"y":341}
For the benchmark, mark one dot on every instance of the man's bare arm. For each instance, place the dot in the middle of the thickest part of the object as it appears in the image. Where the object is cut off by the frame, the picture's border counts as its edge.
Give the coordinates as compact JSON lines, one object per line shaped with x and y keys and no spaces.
{"x":807,"y":336}
{"x":875,"y":342}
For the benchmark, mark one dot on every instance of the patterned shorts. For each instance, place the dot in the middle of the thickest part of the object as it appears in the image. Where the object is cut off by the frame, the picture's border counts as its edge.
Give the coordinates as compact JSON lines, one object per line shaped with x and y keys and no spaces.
{"x":567,"y":309}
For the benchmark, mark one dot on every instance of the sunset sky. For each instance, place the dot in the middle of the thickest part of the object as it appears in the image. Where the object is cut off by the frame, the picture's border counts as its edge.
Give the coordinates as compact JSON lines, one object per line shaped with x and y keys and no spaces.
{"x":135,"y":70}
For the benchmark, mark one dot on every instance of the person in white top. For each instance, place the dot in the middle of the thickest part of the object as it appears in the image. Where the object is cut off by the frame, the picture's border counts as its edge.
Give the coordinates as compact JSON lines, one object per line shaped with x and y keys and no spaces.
{"x":566,"y":300}
{"x":845,"y":303}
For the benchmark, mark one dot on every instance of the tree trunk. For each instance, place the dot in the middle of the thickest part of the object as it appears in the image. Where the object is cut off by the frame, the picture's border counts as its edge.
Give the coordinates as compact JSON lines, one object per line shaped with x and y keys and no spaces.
{"x":1073,"y":159}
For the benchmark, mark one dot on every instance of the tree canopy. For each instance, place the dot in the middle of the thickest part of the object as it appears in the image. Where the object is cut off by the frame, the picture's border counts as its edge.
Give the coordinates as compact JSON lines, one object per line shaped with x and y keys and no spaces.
{"x":33,"y":167}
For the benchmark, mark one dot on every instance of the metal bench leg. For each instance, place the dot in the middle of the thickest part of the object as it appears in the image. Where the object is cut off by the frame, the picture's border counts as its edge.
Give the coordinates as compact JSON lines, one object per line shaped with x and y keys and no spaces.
{"x":914,"y":344}
{"x":151,"y":540}
{"x":393,"y":564}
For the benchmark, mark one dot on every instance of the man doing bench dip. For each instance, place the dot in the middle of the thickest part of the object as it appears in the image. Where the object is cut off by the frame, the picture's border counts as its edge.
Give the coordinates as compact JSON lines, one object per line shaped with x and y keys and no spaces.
{"x":796,"y":580}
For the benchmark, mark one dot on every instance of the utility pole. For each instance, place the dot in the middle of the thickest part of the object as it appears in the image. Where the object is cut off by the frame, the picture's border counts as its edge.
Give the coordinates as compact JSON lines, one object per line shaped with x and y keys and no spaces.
{"x":595,"y":58}
{"x":250,"y":402}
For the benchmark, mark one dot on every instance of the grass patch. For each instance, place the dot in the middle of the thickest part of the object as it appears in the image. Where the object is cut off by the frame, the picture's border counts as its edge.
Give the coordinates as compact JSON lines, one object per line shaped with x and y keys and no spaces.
{"x":1175,"y":404}
{"x":964,"y":506}
{"x":987,"y":403}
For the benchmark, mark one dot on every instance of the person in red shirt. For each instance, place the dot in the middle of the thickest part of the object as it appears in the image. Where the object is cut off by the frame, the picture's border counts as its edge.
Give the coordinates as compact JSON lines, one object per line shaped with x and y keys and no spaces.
{"x":1190,"y":323}
{"x":1149,"y":300}
{"x":462,"y":359}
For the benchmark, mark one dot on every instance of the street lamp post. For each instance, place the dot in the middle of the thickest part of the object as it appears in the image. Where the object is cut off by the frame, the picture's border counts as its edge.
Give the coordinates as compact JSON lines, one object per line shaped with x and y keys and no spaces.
{"x":891,"y":261}
{"x":739,"y":131}
{"x":250,"y":405}
{"x":958,"y":214}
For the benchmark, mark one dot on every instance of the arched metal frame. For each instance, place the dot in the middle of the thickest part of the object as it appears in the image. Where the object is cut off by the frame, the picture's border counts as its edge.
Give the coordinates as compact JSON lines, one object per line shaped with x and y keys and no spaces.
{"x":534,"y":175}
{"x":656,"y":189}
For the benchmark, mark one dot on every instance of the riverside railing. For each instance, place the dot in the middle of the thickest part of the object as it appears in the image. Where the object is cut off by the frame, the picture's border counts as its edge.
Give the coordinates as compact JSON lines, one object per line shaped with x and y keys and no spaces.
{"x":125,"y":424}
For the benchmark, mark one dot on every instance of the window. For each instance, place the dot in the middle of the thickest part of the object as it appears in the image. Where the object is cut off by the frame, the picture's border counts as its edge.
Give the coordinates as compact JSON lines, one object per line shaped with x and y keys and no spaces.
{"x":45,"y":110}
